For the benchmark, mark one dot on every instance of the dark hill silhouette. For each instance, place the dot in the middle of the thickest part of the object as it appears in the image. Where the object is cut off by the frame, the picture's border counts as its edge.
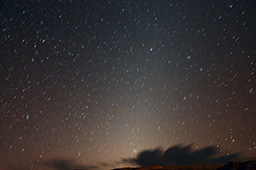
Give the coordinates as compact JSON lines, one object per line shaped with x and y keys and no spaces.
{"x":178,"y":167}
{"x":249,"y":165}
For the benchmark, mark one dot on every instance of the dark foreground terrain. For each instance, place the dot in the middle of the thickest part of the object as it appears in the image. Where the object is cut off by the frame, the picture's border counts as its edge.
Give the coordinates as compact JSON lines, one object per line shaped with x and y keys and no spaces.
{"x":249,"y":165}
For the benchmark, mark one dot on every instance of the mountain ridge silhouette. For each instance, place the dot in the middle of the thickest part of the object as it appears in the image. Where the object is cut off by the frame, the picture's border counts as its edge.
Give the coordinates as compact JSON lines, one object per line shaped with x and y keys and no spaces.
{"x":248,"y":165}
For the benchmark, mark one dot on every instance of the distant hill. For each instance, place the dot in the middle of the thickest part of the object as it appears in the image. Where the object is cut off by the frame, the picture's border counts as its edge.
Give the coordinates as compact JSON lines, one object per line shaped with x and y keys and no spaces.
{"x":249,"y":165}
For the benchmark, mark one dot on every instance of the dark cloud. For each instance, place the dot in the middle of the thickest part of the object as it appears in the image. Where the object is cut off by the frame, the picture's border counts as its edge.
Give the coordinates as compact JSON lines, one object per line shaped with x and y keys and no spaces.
{"x":64,"y":164}
{"x":182,"y":155}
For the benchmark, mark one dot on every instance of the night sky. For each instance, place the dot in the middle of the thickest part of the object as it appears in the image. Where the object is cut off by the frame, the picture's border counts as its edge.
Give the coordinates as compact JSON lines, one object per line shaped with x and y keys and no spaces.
{"x":96,"y":82}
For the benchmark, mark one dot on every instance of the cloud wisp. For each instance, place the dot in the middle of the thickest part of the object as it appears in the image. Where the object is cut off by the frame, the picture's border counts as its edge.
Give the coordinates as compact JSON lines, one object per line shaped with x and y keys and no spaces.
{"x":64,"y":164}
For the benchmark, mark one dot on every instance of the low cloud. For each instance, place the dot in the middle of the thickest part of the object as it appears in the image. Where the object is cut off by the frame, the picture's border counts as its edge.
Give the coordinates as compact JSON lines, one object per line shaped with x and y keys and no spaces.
{"x":64,"y":164}
{"x":182,"y":155}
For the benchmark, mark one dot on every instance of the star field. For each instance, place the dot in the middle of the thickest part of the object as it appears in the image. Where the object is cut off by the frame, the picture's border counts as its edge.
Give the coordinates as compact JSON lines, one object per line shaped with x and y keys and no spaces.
{"x":99,"y":81}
